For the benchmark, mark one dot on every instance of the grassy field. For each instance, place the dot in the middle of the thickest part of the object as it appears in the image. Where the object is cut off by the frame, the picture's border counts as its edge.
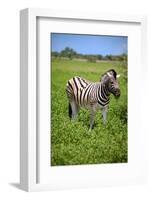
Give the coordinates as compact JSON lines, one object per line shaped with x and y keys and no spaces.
{"x":71,"y":143}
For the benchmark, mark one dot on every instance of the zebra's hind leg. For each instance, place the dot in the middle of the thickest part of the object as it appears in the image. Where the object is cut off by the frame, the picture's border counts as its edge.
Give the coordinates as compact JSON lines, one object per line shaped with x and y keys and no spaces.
{"x":73,"y":109}
{"x":70,"y":111}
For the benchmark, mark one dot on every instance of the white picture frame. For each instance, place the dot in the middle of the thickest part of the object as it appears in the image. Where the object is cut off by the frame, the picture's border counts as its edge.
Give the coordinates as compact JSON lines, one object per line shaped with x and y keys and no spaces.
{"x":29,"y":148}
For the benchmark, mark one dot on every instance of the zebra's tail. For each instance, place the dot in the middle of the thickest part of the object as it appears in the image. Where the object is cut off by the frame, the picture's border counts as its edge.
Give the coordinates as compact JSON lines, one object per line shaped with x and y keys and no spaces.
{"x":70,"y":111}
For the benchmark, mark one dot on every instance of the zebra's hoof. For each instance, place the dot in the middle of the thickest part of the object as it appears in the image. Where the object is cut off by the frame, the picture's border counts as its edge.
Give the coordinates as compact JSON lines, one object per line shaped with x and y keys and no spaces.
{"x":90,"y":130}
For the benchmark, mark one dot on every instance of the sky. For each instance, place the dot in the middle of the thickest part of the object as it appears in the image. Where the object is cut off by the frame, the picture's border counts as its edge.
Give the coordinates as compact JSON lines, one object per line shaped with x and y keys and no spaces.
{"x":89,"y":44}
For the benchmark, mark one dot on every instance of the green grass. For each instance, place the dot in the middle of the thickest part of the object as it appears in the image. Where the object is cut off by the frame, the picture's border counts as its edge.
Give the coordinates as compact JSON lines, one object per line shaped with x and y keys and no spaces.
{"x":71,"y":143}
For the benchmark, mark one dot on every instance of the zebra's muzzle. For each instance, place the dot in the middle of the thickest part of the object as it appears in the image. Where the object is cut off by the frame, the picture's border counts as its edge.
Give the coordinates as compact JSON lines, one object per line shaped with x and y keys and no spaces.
{"x":117,"y":93}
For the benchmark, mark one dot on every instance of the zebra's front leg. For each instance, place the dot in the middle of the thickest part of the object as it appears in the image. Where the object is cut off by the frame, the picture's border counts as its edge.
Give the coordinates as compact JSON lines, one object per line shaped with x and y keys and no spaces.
{"x":104,"y":114}
{"x":92,"y":117}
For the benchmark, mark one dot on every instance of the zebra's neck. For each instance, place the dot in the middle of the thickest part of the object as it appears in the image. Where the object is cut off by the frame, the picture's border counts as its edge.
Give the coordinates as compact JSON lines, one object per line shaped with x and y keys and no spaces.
{"x":103,"y":95}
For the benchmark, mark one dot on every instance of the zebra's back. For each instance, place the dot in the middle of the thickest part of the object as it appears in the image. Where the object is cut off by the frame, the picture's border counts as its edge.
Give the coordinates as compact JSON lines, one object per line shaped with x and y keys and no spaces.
{"x":74,"y":84}
{"x":82,"y":91}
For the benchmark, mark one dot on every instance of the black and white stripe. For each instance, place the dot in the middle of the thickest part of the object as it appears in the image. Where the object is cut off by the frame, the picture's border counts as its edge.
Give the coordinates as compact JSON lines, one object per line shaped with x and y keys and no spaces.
{"x":83,"y":93}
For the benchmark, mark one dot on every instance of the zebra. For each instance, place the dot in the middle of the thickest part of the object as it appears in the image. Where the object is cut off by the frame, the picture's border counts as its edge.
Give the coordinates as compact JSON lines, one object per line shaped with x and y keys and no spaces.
{"x":92,"y":95}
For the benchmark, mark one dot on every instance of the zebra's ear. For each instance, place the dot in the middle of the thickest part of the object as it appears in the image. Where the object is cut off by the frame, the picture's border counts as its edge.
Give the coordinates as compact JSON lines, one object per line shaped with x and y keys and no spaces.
{"x":108,"y":73}
{"x":118,"y":76}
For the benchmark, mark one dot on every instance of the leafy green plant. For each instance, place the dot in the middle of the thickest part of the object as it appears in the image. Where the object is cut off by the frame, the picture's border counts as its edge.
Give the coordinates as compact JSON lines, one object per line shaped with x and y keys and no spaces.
{"x":71,"y":143}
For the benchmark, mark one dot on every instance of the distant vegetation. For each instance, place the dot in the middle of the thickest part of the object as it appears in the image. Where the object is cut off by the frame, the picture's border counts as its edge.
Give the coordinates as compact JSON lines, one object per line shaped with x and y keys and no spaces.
{"x":70,"y":53}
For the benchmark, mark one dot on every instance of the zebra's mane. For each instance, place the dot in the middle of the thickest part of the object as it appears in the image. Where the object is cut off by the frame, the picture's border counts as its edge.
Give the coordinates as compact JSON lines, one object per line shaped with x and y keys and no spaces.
{"x":112,"y":72}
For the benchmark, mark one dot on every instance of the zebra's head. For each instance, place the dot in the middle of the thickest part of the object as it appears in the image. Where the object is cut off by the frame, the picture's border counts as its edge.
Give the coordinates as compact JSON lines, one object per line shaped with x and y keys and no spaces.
{"x":110,"y":81}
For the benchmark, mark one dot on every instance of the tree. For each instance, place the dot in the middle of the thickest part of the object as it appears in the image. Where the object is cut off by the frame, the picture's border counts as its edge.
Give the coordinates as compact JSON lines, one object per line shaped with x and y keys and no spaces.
{"x":55,"y":54}
{"x":99,"y":57}
{"x":108,"y":57}
{"x":68,"y":52}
